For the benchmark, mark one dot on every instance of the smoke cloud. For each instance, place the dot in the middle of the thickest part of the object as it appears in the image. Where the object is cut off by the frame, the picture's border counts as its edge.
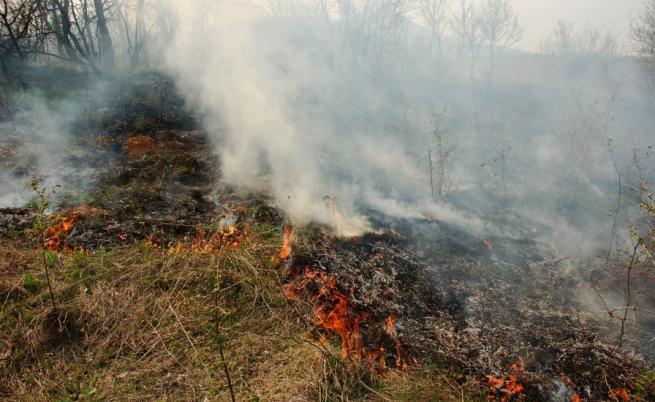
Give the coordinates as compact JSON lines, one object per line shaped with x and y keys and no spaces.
{"x":322,"y":106}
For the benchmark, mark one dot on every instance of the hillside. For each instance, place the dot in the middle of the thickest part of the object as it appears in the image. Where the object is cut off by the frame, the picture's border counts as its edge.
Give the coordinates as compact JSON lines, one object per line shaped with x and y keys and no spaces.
{"x":167,"y":284}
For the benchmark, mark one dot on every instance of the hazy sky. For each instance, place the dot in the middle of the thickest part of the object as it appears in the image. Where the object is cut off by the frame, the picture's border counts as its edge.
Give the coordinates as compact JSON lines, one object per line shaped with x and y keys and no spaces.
{"x":539,"y":17}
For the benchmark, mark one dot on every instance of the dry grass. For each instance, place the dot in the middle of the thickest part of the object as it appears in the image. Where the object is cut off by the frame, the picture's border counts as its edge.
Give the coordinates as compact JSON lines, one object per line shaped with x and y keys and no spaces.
{"x":138,"y":324}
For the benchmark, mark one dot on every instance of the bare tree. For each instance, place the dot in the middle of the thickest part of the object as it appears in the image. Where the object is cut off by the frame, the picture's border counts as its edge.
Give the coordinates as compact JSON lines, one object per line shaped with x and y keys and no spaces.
{"x":132,"y":16}
{"x":589,"y":42}
{"x":21,"y":33}
{"x":441,"y":158}
{"x":466,"y":29}
{"x":81,"y":32}
{"x":499,"y":27}
{"x":435,"y":14}
{"x":105,"y":45}
{"x":582,"y":131}
{"x":643,"y":33}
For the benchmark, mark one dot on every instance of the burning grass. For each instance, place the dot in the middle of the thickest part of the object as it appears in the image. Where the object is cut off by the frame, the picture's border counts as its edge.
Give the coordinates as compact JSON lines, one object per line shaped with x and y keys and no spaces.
{"x":138,"y":322}
{"x":391,"y":306}
{"x":155,"y":272}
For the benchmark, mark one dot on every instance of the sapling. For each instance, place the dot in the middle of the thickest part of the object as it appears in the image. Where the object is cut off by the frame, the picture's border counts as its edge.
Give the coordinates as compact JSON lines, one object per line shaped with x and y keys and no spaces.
{"x":441,"y":161}
{"x":41,"y":204}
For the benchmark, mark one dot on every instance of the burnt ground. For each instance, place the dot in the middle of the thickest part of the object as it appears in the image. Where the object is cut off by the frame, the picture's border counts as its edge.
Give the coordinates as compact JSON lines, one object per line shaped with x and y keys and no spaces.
{"x":475,"y":308}
{"x":470,"y":307}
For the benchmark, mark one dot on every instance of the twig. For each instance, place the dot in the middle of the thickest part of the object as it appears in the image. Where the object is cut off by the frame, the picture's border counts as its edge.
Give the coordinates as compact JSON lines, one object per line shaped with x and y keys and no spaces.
{"x":183,"y":329}
{"x":218,"y":327}
{"x":627,"y":293}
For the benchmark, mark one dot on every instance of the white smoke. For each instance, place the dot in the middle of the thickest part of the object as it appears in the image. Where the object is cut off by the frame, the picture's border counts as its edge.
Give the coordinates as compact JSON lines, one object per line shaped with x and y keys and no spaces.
{"x":296,"y":114}
{"x":322,"y":106}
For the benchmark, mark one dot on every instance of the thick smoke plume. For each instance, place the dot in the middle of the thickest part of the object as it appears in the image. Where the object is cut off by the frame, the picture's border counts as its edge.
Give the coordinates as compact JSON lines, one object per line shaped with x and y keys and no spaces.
{"x":303,"y":108}
{"x":337,"y":111}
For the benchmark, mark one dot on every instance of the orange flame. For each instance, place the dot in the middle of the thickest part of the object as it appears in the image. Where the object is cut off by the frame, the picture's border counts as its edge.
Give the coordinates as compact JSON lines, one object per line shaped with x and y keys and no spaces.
{"x":285,"y":251}
{"x":230,"y":237}
{"x":391,"y":320}
{"x":56,"y":233}
{"x":508,"y":387}
{"x":334,"y":313}
{"x":518,"y":367}
{"x":619,"y":394}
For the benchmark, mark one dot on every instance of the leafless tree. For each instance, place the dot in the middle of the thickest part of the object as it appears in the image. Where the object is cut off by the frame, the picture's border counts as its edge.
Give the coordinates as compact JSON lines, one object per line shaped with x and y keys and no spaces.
{"x":132,"y":16}
{"x":81,"y":32}
{"x":643,"y":34}
{"x":643,"y":30}
{"x":590,"y":42}
{"x":466,"y":29}
{"x":104,"y":39}
{"x":22,"y":32}
{"x":441,"y":158}
{"x":583,"y":130}
{"x":435,"y":16}
{"x":499,"y":27}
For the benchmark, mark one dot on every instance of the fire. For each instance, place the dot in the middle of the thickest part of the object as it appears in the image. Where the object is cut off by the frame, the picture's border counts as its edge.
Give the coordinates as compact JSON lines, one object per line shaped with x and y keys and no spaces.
{"x":175,"y":249}
{"x":335,"y":313}
{"x":285,"y":251}
{"x":56,"y":233}
{"x":576,"y":398}
{"x":488,"y":244}
{"x":506,"y":388}
{"x":229,"y":237}
{"x":332,"y":309}
{"x":518,"y":367}
{"x":390,"y":323}
{"x":619,"y":394}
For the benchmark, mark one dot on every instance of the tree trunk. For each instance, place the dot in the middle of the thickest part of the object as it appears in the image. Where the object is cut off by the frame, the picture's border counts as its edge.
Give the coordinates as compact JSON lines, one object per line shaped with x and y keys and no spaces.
{"x":104,"y":39}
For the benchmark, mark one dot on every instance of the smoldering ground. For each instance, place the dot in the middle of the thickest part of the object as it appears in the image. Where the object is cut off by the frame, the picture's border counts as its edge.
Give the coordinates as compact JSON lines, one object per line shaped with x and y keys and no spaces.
{"x":348,"y":115}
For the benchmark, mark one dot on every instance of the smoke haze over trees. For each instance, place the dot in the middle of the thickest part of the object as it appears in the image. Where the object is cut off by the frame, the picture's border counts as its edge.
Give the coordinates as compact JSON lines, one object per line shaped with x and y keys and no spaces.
{"x":353,"y":115}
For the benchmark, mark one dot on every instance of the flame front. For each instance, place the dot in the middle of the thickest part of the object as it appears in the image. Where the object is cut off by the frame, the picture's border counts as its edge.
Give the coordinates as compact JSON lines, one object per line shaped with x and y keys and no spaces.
{"x":230,"y":237}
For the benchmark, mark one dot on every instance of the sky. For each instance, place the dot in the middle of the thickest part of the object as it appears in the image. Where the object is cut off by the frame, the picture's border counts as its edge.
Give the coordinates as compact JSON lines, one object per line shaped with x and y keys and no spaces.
{"x":539,"y":17}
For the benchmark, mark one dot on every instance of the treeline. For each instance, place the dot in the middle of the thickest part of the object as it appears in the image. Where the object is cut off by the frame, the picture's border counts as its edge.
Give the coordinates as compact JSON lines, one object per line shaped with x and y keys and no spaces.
{"x":100,"y":35}
{"x":104,"y":34}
